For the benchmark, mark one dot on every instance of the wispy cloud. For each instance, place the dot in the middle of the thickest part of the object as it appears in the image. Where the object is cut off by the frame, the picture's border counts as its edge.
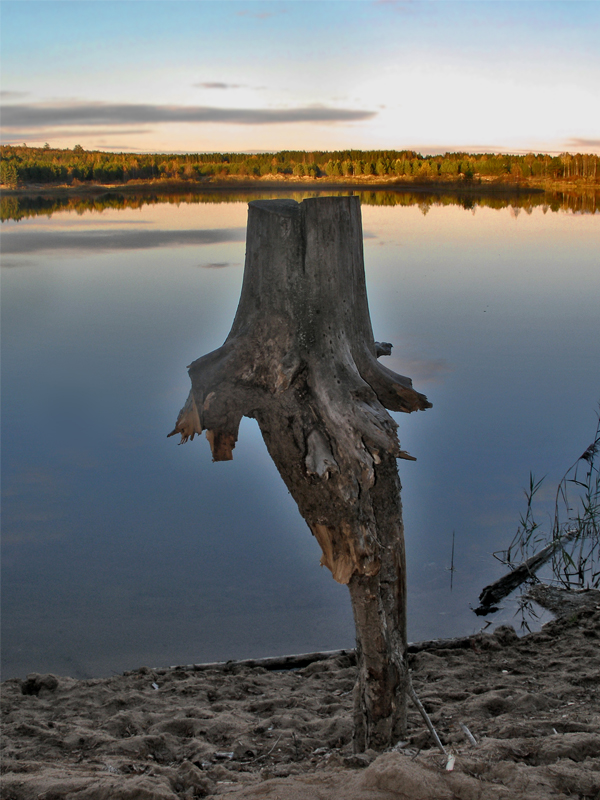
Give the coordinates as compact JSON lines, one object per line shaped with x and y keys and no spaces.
{"x":260,"y":14}
{"x":218,"y":265}
{"x":223,"y":85}
{"x":106,"y":144}
{"x":579,"y":143}
{"x":12,"y":136}
{"x":398,"y":5}
{"x":13,"y":263}
{"x":6,"y":94}
{"x":18,"y":242}
{"x":219,"y":85}
{"x":32,"y":116}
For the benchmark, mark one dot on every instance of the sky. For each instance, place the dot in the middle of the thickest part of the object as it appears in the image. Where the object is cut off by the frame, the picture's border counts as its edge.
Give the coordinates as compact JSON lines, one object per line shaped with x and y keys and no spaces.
{"x":225,"y":76}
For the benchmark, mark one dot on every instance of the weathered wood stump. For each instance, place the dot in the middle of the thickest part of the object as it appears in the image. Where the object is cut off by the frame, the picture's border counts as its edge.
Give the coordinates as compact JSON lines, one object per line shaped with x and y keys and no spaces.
{"x":301,"y":360}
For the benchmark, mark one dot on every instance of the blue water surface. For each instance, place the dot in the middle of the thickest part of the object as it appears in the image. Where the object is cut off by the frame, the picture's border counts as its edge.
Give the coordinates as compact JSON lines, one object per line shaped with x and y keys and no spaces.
{"x":121,"y":548}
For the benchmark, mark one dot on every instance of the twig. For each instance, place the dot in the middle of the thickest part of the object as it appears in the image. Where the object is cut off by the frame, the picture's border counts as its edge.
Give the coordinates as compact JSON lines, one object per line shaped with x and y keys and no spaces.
{"x":266,"y":755}
{"x":425,"y":715}
{"x":275,"y":745}
{"x":468,"y":734}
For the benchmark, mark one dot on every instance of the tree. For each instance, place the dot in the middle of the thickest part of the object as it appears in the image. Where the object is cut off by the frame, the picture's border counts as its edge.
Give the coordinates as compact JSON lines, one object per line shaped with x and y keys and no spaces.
{"x":449,"y":167}
{"x":303,"y":363}
{"x":467,"y":170}
{"x":9,"y":175}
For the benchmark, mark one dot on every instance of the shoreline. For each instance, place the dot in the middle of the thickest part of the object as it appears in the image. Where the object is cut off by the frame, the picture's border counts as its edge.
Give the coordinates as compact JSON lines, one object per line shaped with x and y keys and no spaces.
{"x":301,"y":660}
{"x":520,"y":716}
{"x":481,"y":187}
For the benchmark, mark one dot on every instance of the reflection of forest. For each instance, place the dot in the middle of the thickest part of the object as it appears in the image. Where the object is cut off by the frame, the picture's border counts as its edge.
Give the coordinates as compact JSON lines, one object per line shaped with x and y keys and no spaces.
{"x":582,"y":202}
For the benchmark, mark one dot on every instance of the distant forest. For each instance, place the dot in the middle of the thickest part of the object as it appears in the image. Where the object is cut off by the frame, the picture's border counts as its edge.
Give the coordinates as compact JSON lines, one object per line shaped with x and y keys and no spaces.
{"x":20,"y":164}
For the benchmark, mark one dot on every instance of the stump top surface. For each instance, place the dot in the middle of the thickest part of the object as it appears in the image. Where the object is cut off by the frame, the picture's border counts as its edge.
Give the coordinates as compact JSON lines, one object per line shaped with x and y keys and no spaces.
{"x":284,"y":207}
{"x":288,"y":207}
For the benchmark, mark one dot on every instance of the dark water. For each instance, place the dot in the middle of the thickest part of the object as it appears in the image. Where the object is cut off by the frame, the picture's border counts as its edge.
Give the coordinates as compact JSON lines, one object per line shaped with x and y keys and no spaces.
{"x":122,"y":549}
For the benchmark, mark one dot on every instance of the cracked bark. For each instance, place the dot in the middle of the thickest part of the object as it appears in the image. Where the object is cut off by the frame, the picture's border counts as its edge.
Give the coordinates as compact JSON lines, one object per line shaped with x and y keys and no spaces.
{"x":301,"y":359}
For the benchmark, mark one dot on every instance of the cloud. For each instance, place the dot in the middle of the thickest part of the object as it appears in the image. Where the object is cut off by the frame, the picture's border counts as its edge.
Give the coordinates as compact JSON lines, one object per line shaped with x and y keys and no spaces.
{"x":18,"y":242}
{"x":397,"y":5}
{"x":218,"y":265}
{"x":103,"y":144}
{"x":12,"y":263}
{"x":6,"y":94}
{"x":576,"y":143}
{"x":49,"y":134}
{"x":219,"y":85}
{"x":260,"y":14}
{"x":224,"y":85}
{"x":32,"y":116}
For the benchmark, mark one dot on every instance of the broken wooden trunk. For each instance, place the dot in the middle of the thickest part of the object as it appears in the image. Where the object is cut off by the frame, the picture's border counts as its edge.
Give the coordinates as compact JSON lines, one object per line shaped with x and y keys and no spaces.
{"x":301,"y":360}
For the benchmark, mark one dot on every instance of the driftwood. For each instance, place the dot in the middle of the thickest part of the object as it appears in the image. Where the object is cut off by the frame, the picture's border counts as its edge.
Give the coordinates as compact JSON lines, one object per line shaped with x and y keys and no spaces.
{"x":301,"y":660}
{"x":512,"y":580}
{"x":301,"y":359}
{"x":272,"y":663}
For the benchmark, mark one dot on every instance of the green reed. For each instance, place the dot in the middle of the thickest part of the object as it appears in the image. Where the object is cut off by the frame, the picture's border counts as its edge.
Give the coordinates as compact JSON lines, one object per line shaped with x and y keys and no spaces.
{"x":574,"y":533}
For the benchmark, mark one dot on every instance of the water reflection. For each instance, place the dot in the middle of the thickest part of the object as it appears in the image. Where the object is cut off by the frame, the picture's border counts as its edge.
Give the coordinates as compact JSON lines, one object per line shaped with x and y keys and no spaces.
{"x":32,"y":241}
{"x":122,"y":549}
{"x":585,"y":201}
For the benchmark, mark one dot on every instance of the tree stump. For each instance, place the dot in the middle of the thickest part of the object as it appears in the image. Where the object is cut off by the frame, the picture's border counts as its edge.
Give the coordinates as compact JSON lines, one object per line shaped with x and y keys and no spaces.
{"x":301,"y":360}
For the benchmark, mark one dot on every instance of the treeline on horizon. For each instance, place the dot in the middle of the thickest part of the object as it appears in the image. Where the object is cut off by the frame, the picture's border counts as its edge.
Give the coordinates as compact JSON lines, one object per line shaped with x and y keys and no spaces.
{"x":16,"y":208}
{"x":21,"y":164}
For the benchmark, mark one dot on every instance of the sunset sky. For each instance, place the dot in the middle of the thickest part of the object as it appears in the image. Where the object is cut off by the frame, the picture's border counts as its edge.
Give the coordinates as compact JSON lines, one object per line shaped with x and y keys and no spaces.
{"x":309,"y":75}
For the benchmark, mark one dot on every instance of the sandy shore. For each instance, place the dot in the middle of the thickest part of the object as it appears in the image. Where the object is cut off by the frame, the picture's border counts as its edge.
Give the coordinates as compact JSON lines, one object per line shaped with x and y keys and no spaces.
{"x":290,"y":183}
{"x":532,"y":705}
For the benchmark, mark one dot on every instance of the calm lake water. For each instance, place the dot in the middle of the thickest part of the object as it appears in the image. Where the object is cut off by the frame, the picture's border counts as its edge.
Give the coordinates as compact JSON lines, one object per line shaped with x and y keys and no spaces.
{"x":121,"y":548}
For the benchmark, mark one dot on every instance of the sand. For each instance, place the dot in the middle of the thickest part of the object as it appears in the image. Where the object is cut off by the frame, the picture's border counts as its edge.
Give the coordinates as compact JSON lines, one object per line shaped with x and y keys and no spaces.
{"x":532,"y":704}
